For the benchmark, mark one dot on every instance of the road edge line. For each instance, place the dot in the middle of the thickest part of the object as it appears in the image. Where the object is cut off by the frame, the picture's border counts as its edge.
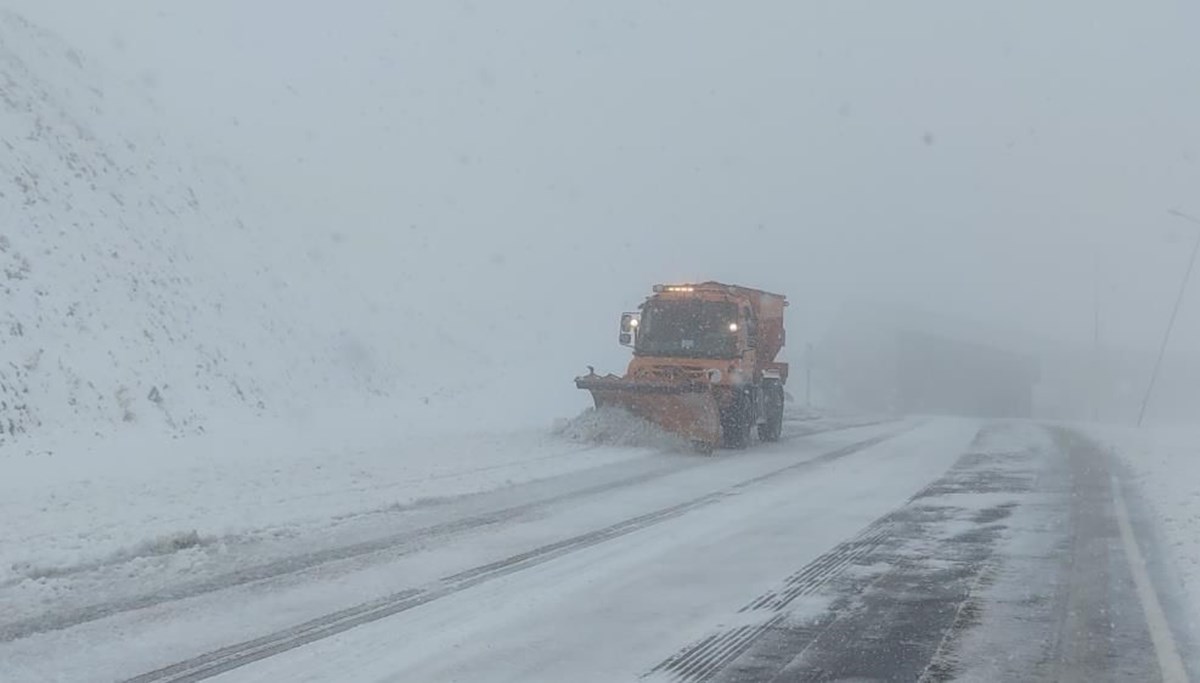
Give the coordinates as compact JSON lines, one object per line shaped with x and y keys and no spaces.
{"x":1170,"y":662}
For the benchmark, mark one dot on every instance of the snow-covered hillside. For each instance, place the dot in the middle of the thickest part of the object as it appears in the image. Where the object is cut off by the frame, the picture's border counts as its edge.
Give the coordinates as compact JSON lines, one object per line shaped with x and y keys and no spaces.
{"x":146,"y":287}
{"x":116,"y":307}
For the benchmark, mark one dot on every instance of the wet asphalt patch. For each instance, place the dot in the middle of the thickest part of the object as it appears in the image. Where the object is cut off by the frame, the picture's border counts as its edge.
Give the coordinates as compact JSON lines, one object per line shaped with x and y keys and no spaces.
{"x":1005,"y":568}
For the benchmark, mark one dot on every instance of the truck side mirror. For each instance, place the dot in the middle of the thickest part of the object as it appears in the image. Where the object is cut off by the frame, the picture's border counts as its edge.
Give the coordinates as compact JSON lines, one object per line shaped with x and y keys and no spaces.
{"x":629,"y":328}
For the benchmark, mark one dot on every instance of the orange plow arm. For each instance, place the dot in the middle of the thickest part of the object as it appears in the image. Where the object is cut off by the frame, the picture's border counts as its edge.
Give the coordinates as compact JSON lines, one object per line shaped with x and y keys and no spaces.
{"x":689,"y":410}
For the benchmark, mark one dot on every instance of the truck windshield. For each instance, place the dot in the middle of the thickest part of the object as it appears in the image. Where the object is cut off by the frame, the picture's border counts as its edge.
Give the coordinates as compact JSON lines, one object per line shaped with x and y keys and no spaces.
{"x":688,"y":329}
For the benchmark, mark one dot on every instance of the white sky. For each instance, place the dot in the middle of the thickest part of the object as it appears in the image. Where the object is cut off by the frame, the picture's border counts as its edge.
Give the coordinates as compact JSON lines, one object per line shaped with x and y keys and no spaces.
{"x":987,"y":159}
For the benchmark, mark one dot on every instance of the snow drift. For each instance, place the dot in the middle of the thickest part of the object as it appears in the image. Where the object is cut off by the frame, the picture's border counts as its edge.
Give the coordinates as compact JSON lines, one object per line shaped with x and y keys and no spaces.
{"x":617,"y":427}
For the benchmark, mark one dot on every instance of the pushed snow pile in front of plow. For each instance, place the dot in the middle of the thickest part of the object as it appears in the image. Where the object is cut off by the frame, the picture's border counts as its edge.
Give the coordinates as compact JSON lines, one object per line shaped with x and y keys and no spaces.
{"x":613,"y":426}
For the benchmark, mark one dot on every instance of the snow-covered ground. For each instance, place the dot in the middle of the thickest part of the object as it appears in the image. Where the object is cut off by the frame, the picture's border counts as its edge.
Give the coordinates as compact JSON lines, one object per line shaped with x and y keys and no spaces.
{"x":365,"y":503}
{"x":565,"y":553}
{"x":205,"y":390}
{"x":86,"y":525}
{"x":162,"y":509}
{"x":1165,"y":463}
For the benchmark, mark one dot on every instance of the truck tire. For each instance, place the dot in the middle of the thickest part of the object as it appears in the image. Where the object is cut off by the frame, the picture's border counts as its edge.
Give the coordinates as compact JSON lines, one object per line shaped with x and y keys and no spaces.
{"x":772,"y":427}
{"x":736,"y":422}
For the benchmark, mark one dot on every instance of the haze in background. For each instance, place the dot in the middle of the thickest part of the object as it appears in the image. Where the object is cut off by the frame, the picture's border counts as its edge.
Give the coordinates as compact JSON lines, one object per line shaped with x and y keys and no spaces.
{"x":518,"y":173}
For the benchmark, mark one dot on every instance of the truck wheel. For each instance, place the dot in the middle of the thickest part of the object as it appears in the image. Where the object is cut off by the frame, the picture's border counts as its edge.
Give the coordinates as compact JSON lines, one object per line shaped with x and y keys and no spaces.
{"x":772,"y":428}
{"x":736,"y":421}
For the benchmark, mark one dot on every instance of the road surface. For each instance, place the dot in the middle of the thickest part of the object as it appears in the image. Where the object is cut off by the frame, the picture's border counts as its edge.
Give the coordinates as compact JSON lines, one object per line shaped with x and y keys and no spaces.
{"x":911,"y":550}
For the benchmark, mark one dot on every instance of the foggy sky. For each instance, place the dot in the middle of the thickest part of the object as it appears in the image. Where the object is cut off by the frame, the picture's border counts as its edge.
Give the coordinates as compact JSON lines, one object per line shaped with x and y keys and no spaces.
{"x":1002,"y":161}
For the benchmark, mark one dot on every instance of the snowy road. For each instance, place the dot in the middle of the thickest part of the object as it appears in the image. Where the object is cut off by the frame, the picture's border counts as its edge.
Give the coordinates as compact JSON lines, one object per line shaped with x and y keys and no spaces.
{"x":916,"y":550}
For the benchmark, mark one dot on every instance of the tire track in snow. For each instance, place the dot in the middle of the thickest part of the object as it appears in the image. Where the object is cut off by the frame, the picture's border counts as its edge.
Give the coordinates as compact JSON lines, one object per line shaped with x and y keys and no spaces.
{"x":299,"y":563}
{"x":925,"y":576}
{"x":709,"y":656}
{"x":769,"y":616}
{"x":241,"y":654}
{"x":399,"y":544}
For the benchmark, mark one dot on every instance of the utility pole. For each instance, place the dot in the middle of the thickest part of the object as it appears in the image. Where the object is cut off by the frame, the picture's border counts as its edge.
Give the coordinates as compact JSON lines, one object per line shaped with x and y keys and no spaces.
{"x":1096,"y":364}
{"x":1162,"y":349}
{"x":808,"y":365}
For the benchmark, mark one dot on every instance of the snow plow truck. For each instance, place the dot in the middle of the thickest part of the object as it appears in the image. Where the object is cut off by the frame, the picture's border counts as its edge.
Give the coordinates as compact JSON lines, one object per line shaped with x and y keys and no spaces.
{"x":703,"y":364}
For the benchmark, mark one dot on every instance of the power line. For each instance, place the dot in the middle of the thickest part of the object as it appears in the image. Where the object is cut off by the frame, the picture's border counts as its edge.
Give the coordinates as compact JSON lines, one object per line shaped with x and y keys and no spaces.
{"x":1162,"y":349}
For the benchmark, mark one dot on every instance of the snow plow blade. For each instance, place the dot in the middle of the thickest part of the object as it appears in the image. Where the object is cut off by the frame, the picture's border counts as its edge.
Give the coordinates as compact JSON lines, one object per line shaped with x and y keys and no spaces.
{"x":689,"y":410}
